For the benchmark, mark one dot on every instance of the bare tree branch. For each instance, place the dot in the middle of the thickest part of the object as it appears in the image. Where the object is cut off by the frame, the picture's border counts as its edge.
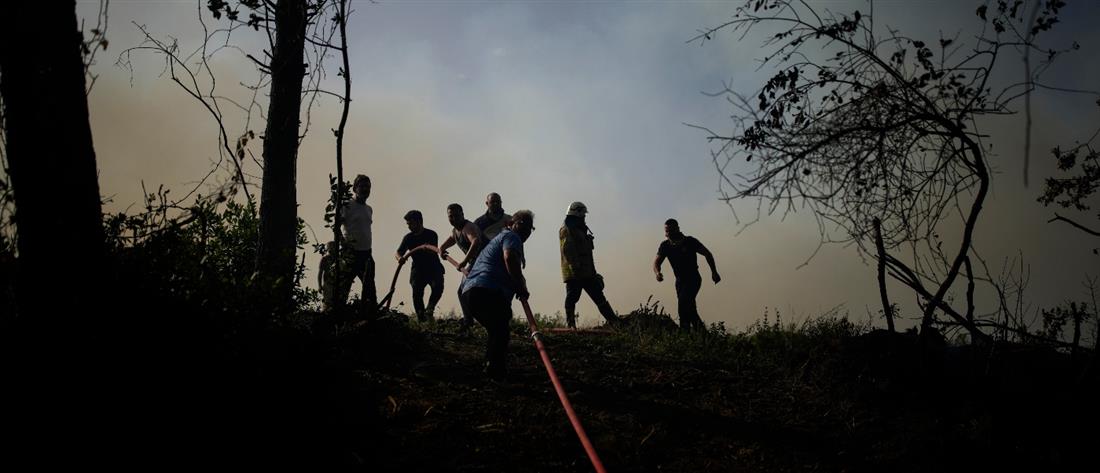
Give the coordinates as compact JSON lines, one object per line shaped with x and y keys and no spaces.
{"x":1075,"y":224}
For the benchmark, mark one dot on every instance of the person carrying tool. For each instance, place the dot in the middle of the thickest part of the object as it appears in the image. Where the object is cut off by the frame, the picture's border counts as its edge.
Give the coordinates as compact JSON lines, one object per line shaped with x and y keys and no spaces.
{"x":494,"y":219}
{"x":578,"y":268}
{"x":426,"y":268}
{"x":681,"y":252}
{"x":495,"y":278}
{"x":469,"y":239}
{"x":358,"y":217}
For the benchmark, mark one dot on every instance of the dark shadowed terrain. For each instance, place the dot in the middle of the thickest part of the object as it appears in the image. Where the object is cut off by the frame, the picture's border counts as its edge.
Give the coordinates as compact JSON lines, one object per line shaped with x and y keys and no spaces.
{"x":388,"y":395}
{"x":820,"y":397}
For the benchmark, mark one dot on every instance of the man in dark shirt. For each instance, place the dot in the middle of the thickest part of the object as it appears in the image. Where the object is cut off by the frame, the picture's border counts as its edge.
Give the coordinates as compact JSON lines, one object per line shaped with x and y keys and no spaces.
{"x":494,"y":219}
{"x":426,"y":268}
{"x":681,"y":252}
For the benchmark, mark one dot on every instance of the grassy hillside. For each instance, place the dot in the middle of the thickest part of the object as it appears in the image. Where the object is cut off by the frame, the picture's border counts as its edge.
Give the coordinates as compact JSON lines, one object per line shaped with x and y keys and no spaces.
{"x":825,"y":395}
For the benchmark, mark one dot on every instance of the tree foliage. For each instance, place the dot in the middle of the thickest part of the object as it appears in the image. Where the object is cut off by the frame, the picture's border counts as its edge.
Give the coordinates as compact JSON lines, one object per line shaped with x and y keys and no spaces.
{"x":857,"y":125}
{"x":202,"y":256}
{"x":1079,"y":187}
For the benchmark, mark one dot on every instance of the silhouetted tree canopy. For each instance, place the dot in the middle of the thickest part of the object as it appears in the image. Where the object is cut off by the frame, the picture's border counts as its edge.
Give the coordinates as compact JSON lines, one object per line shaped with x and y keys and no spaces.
{"x":859,"y":124}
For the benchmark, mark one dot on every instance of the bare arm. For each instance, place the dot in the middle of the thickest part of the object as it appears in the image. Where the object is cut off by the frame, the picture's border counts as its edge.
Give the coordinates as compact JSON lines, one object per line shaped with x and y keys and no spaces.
{"x":512,"y":261}
{"x":657,"y":267}
{"x":710,"y":262}
{"x":449,"y":242}
{"x":474,"y":235}
{"x":425,"y":247}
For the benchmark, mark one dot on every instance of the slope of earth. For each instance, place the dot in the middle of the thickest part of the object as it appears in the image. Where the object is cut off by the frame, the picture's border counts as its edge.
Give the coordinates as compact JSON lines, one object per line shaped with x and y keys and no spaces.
{"x":820,"y":397}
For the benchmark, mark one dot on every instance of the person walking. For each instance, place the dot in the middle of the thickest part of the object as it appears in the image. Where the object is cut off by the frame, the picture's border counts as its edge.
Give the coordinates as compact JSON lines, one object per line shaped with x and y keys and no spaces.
{"x":495,"y":278}
{"x":578,"y":267}
{"x":426,"y":268}
{"x":681,"y":251}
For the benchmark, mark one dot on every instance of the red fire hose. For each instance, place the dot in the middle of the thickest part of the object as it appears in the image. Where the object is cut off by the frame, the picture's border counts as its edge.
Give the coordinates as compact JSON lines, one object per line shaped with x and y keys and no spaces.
{"x":585,"y":331}
{"x":573,"y":419}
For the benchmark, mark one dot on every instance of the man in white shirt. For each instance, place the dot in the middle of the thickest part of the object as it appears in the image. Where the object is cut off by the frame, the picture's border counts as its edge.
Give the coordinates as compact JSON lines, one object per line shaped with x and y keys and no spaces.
{"x":358,"y":217}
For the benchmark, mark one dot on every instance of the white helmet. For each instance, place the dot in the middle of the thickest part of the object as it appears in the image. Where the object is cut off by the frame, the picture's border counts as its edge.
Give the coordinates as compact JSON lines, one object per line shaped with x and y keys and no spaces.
{"x":577,"y":209}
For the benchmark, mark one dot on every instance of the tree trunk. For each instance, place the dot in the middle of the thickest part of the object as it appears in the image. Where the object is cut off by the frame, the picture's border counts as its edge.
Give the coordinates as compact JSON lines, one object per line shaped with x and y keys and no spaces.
{"x":982,"y":173}
{"x":52,"y":163}
{"x":887,"y":310}
{"x":53,"y":387}
{"x":969,"y":294}
{"x":338,"y":207}
{"x":278,"y":197}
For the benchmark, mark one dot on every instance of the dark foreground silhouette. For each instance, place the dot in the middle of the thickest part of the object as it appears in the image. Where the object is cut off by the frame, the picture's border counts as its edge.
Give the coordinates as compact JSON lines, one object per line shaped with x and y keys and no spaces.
{"x":389,"y":396}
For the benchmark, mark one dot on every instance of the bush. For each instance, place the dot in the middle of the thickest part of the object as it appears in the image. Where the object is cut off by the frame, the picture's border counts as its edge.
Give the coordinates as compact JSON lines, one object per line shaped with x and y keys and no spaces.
{"x":204,"y":261}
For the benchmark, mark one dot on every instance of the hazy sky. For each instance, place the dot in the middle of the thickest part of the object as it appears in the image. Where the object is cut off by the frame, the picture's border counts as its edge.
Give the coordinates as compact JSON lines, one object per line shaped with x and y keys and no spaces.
{"x":551,"y":102}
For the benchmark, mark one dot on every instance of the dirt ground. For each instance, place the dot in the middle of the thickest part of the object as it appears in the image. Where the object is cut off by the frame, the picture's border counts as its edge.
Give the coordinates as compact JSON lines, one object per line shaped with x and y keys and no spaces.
{"x":647,"y":411}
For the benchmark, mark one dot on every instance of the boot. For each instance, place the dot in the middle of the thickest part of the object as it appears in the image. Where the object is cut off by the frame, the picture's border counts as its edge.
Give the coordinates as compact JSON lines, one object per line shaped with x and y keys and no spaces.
{"x":570,"y":319}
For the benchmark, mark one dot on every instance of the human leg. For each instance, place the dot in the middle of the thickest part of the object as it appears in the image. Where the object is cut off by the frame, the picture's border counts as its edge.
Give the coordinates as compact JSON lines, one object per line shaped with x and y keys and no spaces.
{"x":418,"y":285}
{"x":436,"y":284}
{"x":686,"y":290}
{"x":370,"y":294}
{"x":596,"y":293}
{"x":573,"y":288}
{"x":493,"y":310}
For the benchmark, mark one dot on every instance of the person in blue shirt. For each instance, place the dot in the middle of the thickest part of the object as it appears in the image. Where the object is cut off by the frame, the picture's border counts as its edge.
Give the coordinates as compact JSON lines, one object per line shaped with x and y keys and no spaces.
{"x":494,"y":279}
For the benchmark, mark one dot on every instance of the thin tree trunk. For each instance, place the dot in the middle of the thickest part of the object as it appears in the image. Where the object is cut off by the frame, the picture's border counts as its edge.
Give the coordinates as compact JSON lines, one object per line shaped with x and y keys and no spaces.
{"x":278,"y":199}
{"x":1078,"y":315}
{"x":52,"y":162}
{"x":969,"y":293}
{"x":887,"y":309}
{"x":967,"y":238}
{"x":342,"y":18}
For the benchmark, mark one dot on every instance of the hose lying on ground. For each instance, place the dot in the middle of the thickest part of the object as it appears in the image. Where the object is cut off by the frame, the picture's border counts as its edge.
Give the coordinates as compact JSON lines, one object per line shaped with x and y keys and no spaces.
{"x":573,"y":419}
{"x":562,"y":396}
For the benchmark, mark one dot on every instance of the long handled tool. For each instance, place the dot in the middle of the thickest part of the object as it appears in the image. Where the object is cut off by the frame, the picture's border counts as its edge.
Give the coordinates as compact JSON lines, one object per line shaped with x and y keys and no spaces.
{"x":435,"y":249}
{"x":385,"y":302}
{"x":573,"y":419}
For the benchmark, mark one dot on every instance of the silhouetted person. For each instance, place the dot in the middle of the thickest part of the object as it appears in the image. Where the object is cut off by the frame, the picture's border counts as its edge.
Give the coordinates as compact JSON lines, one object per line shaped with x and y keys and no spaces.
{"x":358,"y":217}
{"x":469,"y":239}
{"x":680,"y":251}
{"x":495,"y":278}
{"x":494,"y":219}
{"x":578,"y":268}
{"x":426,"y":268}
